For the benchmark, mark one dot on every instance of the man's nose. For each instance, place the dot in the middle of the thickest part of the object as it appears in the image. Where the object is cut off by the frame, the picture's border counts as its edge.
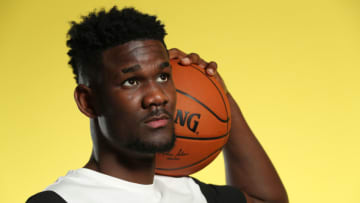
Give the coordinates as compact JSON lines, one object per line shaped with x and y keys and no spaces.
{"x":155,"y":96}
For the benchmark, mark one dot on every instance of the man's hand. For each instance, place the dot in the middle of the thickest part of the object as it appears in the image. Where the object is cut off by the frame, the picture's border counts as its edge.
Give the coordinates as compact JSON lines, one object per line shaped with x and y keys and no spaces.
{"x":193,"y":58}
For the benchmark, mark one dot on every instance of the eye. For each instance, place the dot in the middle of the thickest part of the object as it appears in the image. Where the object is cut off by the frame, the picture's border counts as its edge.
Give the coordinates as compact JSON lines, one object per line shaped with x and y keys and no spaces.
{"x":130,"y":82}
{"x":163,"y":77}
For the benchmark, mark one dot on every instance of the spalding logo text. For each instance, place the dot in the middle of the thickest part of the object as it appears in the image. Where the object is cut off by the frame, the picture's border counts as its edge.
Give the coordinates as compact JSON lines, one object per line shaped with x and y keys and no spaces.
{"x":188,"y":118}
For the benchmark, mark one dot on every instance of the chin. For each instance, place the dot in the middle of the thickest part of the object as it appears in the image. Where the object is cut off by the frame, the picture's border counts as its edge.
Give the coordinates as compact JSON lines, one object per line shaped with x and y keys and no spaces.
{"x":160,"y":143}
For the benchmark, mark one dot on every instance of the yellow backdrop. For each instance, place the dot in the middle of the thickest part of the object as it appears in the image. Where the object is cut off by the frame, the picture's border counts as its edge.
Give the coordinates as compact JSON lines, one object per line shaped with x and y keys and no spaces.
{"x":293,"y":67}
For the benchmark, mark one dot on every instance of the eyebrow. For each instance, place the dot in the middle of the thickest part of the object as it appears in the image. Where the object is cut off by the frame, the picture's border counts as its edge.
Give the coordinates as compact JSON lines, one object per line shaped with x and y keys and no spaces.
{"x":164,"y":65}
{"x":131,"y":69}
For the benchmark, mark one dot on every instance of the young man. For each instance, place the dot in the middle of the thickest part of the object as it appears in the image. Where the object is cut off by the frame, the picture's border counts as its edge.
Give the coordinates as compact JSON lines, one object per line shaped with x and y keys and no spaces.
{"x":125,"y":87}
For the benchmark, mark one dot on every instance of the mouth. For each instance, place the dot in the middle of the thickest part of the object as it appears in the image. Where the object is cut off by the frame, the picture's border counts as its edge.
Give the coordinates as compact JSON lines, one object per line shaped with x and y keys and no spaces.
{"x":157,"y":121}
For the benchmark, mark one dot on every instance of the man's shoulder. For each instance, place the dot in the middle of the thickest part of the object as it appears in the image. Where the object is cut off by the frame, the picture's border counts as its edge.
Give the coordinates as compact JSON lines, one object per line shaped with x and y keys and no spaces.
{"x":212,"y":193}
{"x":220,"y":193}
{"x":46,"y":197}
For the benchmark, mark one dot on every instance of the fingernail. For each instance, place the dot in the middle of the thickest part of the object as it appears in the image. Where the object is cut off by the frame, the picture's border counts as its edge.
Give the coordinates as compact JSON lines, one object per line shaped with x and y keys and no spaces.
{"x":210,"y":71}
{"x":185,"y":60}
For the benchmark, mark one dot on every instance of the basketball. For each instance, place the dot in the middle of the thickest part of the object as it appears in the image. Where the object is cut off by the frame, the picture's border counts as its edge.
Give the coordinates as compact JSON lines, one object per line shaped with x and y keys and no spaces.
{"x":202,"y":122}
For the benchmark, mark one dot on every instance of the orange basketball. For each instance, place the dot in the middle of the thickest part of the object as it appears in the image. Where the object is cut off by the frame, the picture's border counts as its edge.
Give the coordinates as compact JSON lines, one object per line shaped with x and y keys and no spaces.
{"x":202,"y":122}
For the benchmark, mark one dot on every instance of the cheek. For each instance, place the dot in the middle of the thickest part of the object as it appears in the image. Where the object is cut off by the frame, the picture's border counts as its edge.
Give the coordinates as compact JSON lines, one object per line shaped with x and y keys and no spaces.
{"x":121,"y":104}
{"x":172,"y":96}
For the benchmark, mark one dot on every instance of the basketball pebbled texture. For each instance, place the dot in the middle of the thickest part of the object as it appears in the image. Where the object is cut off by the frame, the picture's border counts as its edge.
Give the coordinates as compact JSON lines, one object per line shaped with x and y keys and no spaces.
{"x":202,"y":122}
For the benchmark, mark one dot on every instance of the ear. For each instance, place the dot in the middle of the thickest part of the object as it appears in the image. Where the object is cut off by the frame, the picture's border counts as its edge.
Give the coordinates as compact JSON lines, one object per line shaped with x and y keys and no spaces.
{"x":85,"y":100}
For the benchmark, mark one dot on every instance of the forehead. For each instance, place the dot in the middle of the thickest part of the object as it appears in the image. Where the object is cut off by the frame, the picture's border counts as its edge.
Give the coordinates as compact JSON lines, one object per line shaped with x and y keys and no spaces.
{"x":134,"y":52}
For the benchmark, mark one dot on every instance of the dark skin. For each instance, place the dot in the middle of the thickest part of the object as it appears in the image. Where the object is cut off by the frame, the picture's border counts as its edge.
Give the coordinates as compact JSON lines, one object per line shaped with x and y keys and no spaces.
{"x":136,"y":82}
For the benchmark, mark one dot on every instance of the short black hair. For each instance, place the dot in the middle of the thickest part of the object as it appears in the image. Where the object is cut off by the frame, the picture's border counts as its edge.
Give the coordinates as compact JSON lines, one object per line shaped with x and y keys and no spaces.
{"x":101,"y":30}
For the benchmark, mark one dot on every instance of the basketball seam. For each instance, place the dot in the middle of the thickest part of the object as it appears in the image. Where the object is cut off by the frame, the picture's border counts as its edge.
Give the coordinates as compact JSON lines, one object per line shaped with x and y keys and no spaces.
{"x":201,"y":138}
{"x":202,"y":104}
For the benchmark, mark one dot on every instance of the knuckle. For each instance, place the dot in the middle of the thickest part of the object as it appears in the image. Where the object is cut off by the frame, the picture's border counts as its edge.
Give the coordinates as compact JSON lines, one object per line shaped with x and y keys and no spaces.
{"x":194,"y":55}
{"x":174,"y":49}
{"x":213,"y":64}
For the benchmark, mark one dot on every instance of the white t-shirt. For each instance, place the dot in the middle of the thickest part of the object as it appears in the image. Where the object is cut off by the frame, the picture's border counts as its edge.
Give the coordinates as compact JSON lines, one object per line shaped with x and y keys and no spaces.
{"x":88,"y":186}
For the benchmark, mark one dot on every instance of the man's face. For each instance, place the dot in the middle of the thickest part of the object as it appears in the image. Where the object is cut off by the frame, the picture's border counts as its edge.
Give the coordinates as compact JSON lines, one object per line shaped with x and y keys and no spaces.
{"x":136,"y":97}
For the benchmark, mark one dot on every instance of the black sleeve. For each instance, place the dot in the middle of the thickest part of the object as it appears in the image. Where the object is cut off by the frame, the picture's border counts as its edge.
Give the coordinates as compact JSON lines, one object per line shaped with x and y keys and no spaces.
{"x":46,"y":197}
{"x":221,"y":194}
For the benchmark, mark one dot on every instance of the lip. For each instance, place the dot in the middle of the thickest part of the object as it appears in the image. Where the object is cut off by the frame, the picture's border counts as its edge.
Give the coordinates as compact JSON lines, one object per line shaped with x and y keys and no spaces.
{"x":157,"y":121}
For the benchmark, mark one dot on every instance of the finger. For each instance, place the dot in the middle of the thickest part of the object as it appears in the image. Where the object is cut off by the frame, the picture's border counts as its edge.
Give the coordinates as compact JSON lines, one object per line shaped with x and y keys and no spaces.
{"x":175,"y":53}
{"x":193,"y":59}
{"x":202,"y":63}
{"x":190,"y":59}
{"x":211,"y":68}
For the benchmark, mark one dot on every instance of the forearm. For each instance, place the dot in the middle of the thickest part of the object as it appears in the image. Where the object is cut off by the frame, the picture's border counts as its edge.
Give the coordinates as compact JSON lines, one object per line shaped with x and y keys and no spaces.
{"x":247,"y":165}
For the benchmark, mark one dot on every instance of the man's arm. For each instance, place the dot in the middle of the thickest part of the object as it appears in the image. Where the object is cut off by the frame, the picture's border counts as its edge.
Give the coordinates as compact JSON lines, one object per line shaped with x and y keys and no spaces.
{"x":247,"y":165}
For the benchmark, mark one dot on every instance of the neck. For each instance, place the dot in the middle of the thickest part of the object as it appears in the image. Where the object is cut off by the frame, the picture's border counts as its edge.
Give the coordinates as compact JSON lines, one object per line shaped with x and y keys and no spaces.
{"x":120,"y":163}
